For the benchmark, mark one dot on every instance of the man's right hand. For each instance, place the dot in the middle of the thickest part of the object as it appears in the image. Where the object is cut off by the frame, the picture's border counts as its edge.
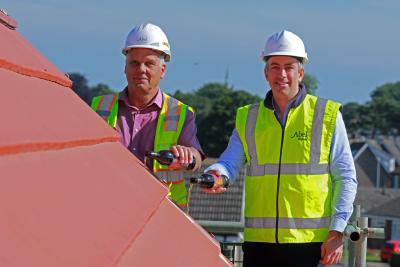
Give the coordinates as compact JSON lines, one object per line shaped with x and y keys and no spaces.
{"x":216,"y":189}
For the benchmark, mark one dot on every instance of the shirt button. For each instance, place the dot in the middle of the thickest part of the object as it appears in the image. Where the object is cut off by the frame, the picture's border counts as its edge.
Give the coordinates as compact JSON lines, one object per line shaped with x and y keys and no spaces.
{"x":134,"y":149}
{"x":136,"y":130}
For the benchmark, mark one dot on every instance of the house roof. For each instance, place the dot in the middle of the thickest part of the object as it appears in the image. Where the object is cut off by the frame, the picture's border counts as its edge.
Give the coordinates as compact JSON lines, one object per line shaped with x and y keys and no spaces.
{"x":386,"y":160}
{"x":226,"y":207}
{"x":392,"y":146}
{"x":356,"y":146}
{"x":70,"y":193}
{"x":371,"y":199}
{"x":390,"y":209}
{"x":363,"y":179}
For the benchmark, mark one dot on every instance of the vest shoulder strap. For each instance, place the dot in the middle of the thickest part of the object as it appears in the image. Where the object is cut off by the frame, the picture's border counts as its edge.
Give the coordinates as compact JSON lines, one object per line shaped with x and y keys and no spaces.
{"x":107,"y":107}
{"x":245,"y":117}
{"x":169,"y":126}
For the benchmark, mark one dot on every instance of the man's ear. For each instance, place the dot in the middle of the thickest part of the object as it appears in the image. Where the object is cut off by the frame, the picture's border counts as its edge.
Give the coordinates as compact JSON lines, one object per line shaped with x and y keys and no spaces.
{"x":266,"y":72}
{"x":126,"y":62}
{"x":301,"y":74}
{"x":163,"y":70}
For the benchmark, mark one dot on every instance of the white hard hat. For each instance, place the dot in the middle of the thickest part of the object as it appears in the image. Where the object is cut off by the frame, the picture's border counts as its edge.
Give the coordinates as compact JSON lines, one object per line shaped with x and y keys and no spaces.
{"x":285,"y":43}
{"x":148,"y":36}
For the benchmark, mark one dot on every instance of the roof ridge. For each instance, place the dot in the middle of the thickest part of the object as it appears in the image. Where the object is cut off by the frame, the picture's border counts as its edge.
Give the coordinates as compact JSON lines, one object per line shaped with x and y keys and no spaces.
{"x":34,"y":73}
{"x":6,"y":20}
{"x":34,"y":147}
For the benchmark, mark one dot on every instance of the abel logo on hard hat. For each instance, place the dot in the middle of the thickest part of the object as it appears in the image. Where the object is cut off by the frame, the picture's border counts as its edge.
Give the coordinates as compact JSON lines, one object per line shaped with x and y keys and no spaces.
{"x":142,"y":39}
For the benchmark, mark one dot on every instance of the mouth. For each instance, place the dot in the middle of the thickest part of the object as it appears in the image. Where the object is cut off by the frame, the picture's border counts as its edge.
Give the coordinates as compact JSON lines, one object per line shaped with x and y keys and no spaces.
{"x":281,"y":83}
{"x":139,"y":80}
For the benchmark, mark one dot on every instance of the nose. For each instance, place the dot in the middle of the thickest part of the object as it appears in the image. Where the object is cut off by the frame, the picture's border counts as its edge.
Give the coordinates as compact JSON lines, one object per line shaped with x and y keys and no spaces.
{"x":142,"y":67}
{"x":282,"y":73}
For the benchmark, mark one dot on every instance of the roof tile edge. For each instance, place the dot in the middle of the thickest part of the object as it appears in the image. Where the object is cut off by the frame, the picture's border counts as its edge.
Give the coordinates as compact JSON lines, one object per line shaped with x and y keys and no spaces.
{"x":7,"y":20}
{"x":35,"y":73}
{"x":34,"y":147}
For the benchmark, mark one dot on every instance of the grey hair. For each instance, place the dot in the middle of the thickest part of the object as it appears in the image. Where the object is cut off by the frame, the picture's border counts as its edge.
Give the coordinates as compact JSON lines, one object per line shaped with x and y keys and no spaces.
{"x":162,"y":56}
{"x":300,"y":64}
{"x":162,"y":60}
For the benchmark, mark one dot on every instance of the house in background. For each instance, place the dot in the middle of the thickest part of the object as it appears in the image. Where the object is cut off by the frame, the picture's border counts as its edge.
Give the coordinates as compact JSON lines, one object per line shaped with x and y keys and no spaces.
{"x":386,"y":215}
{"x":391,"y":144}
{"x":374,"y":164}
{"x":377,"y":163}
{"x":220,"y":214}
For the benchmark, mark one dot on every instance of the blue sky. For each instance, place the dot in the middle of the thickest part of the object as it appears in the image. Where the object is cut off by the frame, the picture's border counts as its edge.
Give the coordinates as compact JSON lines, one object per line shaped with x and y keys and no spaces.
{"x":353,"y":46}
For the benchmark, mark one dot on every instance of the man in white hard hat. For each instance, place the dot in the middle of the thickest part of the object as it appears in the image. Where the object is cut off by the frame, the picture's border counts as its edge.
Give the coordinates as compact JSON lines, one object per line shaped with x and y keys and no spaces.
{"x":300,"y":182}
{"x":148,"y":119}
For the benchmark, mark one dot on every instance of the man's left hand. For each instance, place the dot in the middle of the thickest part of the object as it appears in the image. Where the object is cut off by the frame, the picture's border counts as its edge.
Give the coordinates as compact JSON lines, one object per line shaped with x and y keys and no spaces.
{"x":216,"y":189}
{"x":332,"y":248}
{"x":184,"y":156}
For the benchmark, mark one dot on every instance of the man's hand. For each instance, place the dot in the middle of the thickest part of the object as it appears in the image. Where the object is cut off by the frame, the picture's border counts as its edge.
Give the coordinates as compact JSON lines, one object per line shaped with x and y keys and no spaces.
{"x":216,"y":189}
{"x":332,"y":248}
{"x":184,"y":156}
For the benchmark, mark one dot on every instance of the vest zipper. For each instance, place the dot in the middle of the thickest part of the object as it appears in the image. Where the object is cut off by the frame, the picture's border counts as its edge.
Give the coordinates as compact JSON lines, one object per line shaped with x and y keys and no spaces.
{"x":277,"y":186}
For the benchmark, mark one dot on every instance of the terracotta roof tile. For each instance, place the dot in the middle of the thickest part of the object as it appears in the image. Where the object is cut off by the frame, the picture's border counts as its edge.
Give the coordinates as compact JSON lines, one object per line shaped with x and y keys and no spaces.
{"x":70,"y":193}
{"x":45,"y":115}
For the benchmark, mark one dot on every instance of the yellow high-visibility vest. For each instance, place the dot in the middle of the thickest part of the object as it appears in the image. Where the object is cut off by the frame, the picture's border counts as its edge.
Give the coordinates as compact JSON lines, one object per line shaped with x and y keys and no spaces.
{"x":169,"y":126}
{"x":288,"y":189}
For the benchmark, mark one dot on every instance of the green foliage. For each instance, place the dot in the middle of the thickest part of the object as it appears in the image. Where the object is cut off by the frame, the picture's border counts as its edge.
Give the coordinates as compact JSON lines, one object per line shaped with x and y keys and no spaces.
{"x":357,"y":118}
{"x":215,"y":105}
{"x":81,"y":87}
{"x":386,"y":106}
{"x":101,"y":89}
{"x":373,"y":255}
{"x":311,"y":83}
{"x":380,"y":115}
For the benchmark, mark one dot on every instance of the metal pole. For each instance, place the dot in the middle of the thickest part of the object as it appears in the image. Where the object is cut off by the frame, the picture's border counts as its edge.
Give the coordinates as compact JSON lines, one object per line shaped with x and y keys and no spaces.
{"x":361,"y":246}
{"x":356,"y":236}
{"x":351,"y":246}
{"x":378,"y":173}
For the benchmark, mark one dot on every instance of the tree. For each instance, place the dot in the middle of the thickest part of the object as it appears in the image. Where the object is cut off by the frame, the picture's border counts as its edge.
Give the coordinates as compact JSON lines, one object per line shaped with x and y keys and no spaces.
{"x":80,"y":86}
{"x":380,"y":115}
{"x":215,"y":105}
{"x":84,"y":91}
{"x":311,"y":83}
{"x":357,"y":118}
{"x":385,"y":104}
{"x":101,"y":89}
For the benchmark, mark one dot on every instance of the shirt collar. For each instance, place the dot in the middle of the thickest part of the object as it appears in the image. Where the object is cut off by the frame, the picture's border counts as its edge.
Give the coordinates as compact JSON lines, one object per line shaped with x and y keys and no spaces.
{"x":157,"y":100}
{"x":295,"y":102}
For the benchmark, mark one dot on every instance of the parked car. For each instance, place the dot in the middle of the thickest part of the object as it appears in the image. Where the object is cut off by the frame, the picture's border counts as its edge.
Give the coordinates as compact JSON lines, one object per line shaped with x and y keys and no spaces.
{"x":391,"y":246}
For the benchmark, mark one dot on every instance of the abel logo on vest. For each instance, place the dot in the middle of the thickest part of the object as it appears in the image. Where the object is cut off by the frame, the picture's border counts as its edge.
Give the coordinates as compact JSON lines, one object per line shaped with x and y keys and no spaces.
{"x":300,"y":135}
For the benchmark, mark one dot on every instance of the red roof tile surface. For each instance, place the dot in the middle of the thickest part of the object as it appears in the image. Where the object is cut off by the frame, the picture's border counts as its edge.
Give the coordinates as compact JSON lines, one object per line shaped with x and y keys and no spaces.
{"x":70,"y":193}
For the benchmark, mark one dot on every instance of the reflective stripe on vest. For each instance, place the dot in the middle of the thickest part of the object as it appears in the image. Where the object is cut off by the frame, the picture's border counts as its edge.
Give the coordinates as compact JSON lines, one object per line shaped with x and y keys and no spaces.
{"x":288,"y":223}
{"x":169,"y":176}
{"x":169,"y":126}
{"x":107,"y":107}
{"x":288,"y":197}
{"x":172,"y":115}
{"x":309,"y":168}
